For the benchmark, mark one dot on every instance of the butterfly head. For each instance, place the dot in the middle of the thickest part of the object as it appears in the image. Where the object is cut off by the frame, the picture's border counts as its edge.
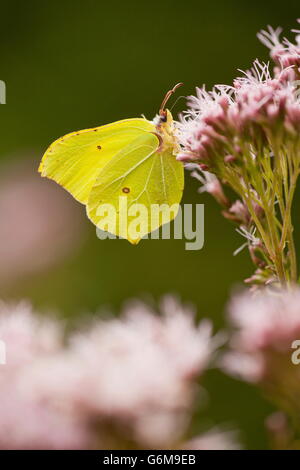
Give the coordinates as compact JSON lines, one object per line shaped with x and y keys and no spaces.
{"x":163,"y":119}
{"x":163,"y":122}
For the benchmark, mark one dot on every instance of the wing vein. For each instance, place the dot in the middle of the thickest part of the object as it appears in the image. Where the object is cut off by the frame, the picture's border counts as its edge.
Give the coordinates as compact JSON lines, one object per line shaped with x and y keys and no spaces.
{"x":145,"y":186}
{"x":163,"y":176}
{"x":130,"y":169}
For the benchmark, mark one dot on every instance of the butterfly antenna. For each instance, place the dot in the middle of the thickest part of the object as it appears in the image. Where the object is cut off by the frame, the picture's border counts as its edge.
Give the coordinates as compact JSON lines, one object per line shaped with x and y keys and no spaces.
{"x":167,"y":97}
{"x":176,"y":101}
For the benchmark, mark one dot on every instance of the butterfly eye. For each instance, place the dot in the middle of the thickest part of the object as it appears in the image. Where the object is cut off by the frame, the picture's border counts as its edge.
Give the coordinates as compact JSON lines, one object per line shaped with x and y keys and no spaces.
{"x":163,"y":117}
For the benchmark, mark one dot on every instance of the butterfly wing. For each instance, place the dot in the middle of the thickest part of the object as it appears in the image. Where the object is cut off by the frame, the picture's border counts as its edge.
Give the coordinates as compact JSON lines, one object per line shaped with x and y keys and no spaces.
{"x":75,"y":160}
{"x":138,"y":175}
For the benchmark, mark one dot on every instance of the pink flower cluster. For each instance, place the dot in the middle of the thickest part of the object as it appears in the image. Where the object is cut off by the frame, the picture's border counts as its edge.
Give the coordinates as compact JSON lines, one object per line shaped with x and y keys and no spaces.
{"x":258,"y":111}
{"x":266,"y":325}
{"x":128,"y":381}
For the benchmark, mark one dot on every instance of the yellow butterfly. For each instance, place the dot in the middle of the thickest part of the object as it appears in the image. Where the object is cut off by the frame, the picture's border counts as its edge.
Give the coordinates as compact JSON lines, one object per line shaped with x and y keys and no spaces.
{"x":128,"y":166}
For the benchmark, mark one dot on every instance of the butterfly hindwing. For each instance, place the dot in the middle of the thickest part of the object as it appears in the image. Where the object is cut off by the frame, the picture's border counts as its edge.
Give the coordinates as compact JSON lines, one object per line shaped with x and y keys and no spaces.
{"x":138,"y":175}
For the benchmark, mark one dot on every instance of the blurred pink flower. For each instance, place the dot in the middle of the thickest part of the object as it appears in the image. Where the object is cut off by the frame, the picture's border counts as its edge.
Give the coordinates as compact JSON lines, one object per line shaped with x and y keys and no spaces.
{"x":238,"y":212}
{"x":40,"y":224}
{"x":214,"y":439}
{"x":137,"y":372}
{"x":128,"y":379}
{"x":258,"y":109}
{"x":27,"y":420}
{"x":36,"y":424}
{"x":26,"y":335}
{"x":266,"y":325}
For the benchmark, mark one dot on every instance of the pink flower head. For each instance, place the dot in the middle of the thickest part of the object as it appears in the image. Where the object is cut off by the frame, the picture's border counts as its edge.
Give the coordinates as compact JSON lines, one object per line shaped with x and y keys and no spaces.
{"x":266,"y":325}
{"x":285,"y":54}
{"x":257,"y":110}
{"x":222,"y":125}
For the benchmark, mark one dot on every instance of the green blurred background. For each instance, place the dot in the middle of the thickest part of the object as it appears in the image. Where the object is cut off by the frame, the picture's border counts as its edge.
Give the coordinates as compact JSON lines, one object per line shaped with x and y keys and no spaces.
{"x":70,"y":65}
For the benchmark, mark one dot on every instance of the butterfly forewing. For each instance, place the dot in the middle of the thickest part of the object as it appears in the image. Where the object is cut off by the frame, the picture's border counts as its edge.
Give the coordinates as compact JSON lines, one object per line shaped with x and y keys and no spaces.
{"x":75,"y":160}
